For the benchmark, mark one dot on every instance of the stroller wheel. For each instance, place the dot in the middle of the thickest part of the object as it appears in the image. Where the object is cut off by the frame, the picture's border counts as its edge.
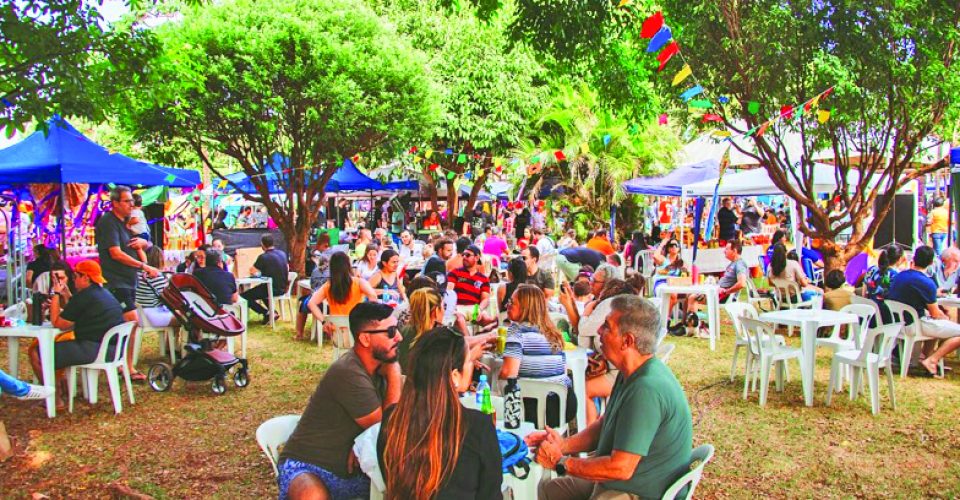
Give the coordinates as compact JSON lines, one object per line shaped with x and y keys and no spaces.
{"x":219,"y":386}
{"x":160,"y":377}
{"x":241,"y":378}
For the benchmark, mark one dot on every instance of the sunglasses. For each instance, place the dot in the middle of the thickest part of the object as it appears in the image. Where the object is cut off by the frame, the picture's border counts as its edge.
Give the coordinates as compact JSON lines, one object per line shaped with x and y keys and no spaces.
{"x":468,"y":254}
{"x":390,"y":332}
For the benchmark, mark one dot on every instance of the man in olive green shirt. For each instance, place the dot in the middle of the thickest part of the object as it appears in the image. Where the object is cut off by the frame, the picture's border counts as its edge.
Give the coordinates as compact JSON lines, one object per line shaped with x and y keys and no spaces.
{"x":642,"y":443}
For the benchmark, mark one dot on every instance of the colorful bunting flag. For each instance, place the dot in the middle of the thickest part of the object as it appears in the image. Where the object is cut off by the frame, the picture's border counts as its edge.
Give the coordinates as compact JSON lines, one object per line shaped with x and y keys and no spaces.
{"x":413,"y":150}
{"x":170,"y":178}
{"x":559,"y":156}
{"x":462,"y":158}
{"x":112,"y":185}
{"x":823,"y":115}
{"x":6,"y":102}
{"x":659,"y":40}
{"x":691,"y":93}
{"x":709,"y":117}
{"x":682,"y":75}
{"x":451,"y":175}
{"x":721,"y":133}
{"x":763,"y":129}
{"x":584,"y":148}
{"x":434,"y":166}
{"x":356,"y":158}
{"x":623,"y":3}
{"x":222,"y":184}
{"x":448,"y":151}
{"x":606,"y":140}
{"x":652,"y":25}
{"x":753,"y":107}
{"x":667,"y":53}
{"x":663,"y":119}
{"x":700,"y":104}
{"x":723,"y":99}
{"x":786,"y":112}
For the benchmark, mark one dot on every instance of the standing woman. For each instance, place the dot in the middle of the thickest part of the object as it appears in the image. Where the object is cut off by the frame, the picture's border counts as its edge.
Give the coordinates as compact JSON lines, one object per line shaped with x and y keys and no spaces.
{"x":342,"y":291}
{"x":387,"y":278}
{"x":430,"y":446}
{"x":367,"y":266}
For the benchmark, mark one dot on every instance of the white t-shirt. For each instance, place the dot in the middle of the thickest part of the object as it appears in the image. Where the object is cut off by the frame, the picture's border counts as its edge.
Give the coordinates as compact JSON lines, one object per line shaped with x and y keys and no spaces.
{"x":141,"y":226}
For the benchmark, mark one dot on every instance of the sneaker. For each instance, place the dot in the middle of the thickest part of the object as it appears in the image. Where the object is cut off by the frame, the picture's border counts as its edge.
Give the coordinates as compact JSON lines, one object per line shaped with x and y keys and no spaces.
{"x":37,"y":392}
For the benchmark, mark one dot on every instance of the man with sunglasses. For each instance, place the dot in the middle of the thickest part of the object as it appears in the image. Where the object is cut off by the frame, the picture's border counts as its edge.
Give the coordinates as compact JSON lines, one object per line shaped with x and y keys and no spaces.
{"x":120,"y":262}
{"x":318,"y":461}
{"x":470,"y":284}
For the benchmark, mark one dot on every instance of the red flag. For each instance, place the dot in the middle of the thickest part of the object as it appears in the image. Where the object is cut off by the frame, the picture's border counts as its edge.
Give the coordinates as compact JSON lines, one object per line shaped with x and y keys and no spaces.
{"x":786,"y":112}
{"x":652,"y":25}
{"x":200,"y":186}
{"x":826,"y":93}
{"x":663,"y":119}
{"x":434,"y":166}
{"x":712,"y":118}
{"x":413,"y":150}
{"x":560,"y":156}
{"x":668,"y":52}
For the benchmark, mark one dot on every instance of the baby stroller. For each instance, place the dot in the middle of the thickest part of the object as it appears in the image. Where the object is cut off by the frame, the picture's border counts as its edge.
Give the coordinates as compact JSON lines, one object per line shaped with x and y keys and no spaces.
{"x":197,"y":311}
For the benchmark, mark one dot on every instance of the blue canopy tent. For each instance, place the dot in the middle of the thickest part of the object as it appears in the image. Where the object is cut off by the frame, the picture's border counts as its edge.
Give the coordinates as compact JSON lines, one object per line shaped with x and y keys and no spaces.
{"x":672,"y":183}
{"x":65,"y":155}
{"x":346,"y":178}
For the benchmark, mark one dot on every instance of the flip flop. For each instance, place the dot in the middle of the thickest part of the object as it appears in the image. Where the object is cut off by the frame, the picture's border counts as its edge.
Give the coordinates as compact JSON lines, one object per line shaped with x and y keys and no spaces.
{"x":138,"y":377}
{"x":928,"y":373}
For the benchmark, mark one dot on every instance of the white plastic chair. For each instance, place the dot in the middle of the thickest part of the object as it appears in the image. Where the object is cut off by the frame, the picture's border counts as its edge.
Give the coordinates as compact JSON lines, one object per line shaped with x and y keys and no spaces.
{"x":168,"y":337}
{"x":912,"y":333}
{"x":539,"y":390}
{"x":242,"y":312}
{"x":865,"y":359}
{"x":855,"y":334}
{"x":664,"y":352}
{"x":754,"y":297}
{"x":287,"y":299}
{"x":765,"y":349}
{"x":342,"y":339}
{"x":273,"y":433}
{"x":698,"y":460}
{"x":737,"y":310}
{"x":119,"y":335}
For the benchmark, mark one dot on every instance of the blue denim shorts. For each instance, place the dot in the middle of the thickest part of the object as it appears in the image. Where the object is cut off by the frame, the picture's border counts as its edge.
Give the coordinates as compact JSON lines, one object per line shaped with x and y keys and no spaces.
{"x":340,"y":488}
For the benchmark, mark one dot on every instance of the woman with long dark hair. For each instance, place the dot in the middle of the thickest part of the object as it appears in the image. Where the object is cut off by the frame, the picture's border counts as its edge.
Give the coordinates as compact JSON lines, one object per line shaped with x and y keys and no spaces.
{"x":877,"y":280}
{"x":430,"y":446}
{"x":517,"y":275}
{"x":636,"y":244}
{"x":782,"y":268}
{"x":342,"y":291}
{"x":387,"y":278}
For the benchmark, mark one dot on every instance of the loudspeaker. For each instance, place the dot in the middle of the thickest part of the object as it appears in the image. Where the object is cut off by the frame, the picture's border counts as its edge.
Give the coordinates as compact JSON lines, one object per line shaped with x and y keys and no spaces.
{"x":899,"y":222}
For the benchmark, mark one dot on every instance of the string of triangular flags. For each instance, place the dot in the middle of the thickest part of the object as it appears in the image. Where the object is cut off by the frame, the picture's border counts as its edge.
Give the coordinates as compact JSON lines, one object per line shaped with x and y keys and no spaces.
{"x":696,"y":96}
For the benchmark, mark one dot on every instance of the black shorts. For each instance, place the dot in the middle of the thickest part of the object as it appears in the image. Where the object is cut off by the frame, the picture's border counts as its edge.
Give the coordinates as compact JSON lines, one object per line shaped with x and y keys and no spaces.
{"x":127,"y":298}
{"x":77,"y":352}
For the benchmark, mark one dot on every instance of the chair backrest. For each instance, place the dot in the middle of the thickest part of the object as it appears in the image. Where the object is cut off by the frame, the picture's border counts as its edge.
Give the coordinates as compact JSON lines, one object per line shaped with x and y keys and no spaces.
{"x":787,"y":291}
{"x":273,"y":433}
{"x":888,"y":337}
{"x":41,"y":283}
{"x":119,"y":334}
{"x":738,"y":310}
{"x":664,"y":352}
{"x":763,"y":262}
{"x":760,"y":335}
{"x":698,"y":460}
{"x":866,"y":313}
{"x":16,"y":311}
{"x":645,"y":262}
{"x":342,"y":337}
{"x":808,"y":268}
{"x":900,"y":312}
{"x":539,"y":390}
{"x":291,"y":282}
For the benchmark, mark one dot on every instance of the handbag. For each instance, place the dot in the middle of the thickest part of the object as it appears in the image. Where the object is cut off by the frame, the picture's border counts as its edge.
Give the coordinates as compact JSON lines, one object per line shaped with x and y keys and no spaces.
{"x":596,"y":365}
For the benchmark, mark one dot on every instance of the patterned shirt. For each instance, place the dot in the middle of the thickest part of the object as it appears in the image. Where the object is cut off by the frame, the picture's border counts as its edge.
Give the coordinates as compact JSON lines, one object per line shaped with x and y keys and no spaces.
{"x":878,"y":283}
{"x":537,"y":358}
{"x":469,"y":287}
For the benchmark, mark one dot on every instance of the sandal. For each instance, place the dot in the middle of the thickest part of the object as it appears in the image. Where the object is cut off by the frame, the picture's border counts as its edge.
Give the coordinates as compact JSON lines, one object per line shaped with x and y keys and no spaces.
{"x":138,"y":377}
{"x":934,"y":373}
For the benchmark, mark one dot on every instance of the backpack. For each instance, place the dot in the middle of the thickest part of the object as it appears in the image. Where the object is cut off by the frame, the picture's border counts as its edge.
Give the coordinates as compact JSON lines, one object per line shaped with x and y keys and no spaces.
{"x":515,"y":453}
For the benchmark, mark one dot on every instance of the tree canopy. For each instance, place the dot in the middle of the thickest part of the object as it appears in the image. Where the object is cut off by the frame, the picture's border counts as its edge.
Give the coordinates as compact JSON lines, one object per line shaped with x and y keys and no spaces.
{"x":315,"y":80}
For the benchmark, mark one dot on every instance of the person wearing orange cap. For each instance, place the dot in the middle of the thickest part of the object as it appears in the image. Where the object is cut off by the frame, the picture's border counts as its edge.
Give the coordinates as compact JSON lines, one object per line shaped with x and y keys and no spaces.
{"x":90,"y":313}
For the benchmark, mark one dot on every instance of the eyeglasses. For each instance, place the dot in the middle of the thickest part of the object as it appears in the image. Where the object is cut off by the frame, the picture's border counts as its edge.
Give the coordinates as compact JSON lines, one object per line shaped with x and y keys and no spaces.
{"x":390,"y":332}
{"x":127,"y":200}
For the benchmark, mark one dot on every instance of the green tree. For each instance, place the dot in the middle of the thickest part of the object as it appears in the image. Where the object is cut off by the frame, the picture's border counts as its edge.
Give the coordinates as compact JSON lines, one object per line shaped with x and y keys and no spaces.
{"x":600,"y":151}
{"x":316,"y":80}
{"x":490,"y":91}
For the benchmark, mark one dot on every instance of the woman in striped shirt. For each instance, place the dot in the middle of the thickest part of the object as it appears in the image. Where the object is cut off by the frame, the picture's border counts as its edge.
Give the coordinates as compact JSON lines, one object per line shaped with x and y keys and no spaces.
{"x":156,"y":313}
{"x":534,"y":349}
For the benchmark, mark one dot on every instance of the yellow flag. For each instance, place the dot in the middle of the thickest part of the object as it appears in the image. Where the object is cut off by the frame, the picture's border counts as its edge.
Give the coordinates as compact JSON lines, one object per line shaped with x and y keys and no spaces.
{"x":416,"y":159}
{"x":222,"y":184}
{"x":584,"y":148}
{"x":623,"y":3}
{"x":429,"y":153}
{"x":682,"y":75}
{"x":721,"y":133}
{"x":815,"y":102}
{"x":823,"y":115}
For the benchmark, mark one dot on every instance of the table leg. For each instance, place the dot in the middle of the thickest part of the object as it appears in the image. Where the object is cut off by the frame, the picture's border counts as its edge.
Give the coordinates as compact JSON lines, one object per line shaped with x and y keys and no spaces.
{"x":578,"y":365}
{"x":808,"y":337}
{"x":46,"y":361}
{"x":13,"y":354}
{"x":713,"y":318}
{"x":273,"y":325}
{"x":664,"y":315}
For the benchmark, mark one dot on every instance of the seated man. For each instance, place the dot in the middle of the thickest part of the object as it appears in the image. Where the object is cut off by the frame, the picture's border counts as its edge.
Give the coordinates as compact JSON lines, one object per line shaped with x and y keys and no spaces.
{"x":471,"y":286}
{"x":90,"y":313}
{"x":915,"y":288}
{"x":318,"y":461}
{"x":944,"y":270}
{"x":642,"y":444}
{"x":734,"y":277}
{"x":272,"y":263}
{"x":221,"y":283}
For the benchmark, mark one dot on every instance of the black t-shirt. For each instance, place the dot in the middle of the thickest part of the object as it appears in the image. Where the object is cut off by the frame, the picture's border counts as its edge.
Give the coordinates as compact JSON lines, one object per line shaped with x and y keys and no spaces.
{"x":478,"y":472}
{"x":220,"y":283}
{"x":728,"y":223}
{"x":112,"y":232}
{"x":38,"y":266}
{"x":750,"y":222}
{"x":93,"y":311}
{"x":273,"y":264}
{"x":584,"y":256}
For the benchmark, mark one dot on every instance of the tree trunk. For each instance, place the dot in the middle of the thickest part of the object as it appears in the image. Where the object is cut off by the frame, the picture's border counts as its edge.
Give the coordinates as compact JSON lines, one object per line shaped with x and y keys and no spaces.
{"x":453,"y":199}
{"x":297,"y":247}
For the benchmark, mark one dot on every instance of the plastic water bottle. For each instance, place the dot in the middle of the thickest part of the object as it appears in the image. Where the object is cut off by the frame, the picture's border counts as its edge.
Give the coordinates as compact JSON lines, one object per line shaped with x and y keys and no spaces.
{"x":512,"y":404}
{"x":480,"y":387}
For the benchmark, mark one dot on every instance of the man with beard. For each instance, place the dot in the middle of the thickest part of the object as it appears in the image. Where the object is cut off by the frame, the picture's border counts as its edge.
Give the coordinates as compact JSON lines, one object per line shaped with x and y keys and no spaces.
{"x":318,"y":461}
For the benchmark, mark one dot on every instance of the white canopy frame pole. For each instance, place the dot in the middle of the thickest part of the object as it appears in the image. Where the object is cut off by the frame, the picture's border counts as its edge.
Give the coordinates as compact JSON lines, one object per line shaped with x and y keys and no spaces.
{"x":795,"y":220}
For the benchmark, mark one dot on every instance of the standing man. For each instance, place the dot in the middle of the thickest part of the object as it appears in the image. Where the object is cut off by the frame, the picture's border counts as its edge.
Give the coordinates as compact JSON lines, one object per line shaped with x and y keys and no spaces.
{"x":541,"y":278}
{"x":937,"y":222}
{"x":118,"y":259}
{"x":547,"y":248}
{"x":601,"y":243}
{"x":642,"y":444}
{"x":272,"y":263}
{"x":728,"y":219}
{"x":318,"y":461}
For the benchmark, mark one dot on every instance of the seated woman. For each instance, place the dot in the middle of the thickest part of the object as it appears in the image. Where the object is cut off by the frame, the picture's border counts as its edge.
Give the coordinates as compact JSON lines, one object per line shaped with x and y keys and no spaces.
{"x":387,"y":278}
{"x":90,"y":313}
{"x":426,"y":312}
{"x":430,"y":446}
{"x":367,"y":266}
{"x":342,"y":291}
{"x":516,"y":276}
{"x":782,"y":268}
{"x":877,"y":279}
{"x":535,"y":350}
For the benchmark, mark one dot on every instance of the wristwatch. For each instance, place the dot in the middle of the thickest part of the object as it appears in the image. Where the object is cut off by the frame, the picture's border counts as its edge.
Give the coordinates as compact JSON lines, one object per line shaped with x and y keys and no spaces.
{"x":561,"y":467}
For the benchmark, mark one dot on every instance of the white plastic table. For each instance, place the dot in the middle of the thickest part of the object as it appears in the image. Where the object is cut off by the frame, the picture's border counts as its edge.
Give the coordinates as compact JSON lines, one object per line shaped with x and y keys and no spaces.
{"x":45,"y":335}
{"x":949,"y":301}
{"x":252,"y":281}
{"x":711,"y":292}
{"x":809,"y":321}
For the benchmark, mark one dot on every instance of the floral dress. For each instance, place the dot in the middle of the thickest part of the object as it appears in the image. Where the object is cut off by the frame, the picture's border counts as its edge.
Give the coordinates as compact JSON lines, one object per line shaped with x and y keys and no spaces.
{"x":877,"y":283}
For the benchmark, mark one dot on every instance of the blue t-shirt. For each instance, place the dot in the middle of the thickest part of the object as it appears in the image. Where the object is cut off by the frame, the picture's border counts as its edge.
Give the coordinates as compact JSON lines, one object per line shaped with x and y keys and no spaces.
{"x":220,"y":283}
{"x":913,"y":288}
{"x":809,"y":253}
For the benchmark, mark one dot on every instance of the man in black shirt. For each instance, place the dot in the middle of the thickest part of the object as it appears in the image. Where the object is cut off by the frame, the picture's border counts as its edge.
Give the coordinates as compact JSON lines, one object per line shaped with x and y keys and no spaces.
{"x":119,"y":260}
{"x":272,"y":263}
{"x":728,"y":220}
{"x":221,"y":283}
{"x":436,"y":265}
{"x":90,"y":313}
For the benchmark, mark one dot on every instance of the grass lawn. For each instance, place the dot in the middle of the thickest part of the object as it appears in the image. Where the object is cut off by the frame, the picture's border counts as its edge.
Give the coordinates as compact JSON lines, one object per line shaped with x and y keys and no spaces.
{"x":188,"y":443}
